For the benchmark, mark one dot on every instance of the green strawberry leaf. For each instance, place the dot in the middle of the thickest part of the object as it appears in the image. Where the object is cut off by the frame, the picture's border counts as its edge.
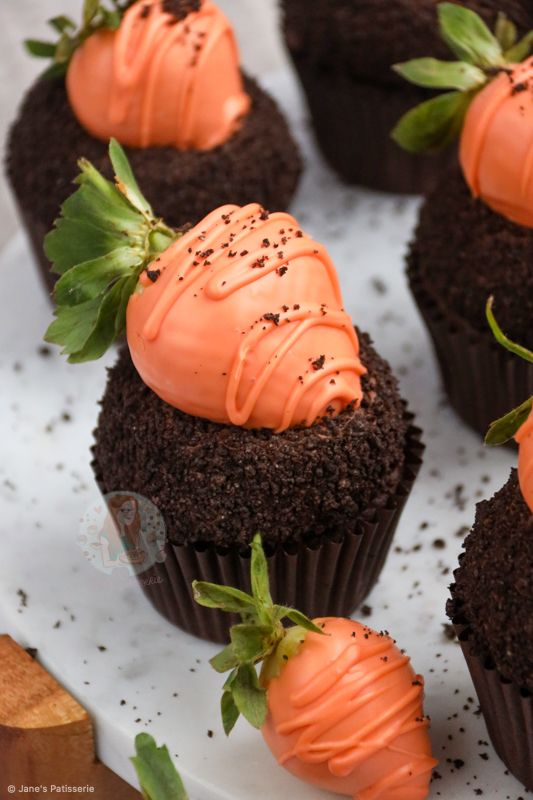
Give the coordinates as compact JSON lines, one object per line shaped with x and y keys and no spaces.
{"x":433,"y":124}
{"x":434,"y":74}
{"x":210,"y":595}
{"x":90,"y":10}
{"x":126,"y":181}
{"x":158,"y":777}
{"x":501,"y":338}
{"x":504,"y":429}
{"x":92,"y":278}
{"x":225,"y":660}
{"x":128,"y":287}
{"x":259,"y":574}
{"x":249,"y":697}
{"x":468,"y":37}
{"x":301,"y":620}
{"x":95,"y":16}
{"x":102,"y":332}
{"x":229,"y":711}
{"x":505,"y":32}
{"x":73,"y":326}
{"x":40,"y":49}
{"x":62,"y":24}
{"x":100,"y":245}
{"x":251,"y":642}
{"x":520,"y":50}
{"x":111,"y":19}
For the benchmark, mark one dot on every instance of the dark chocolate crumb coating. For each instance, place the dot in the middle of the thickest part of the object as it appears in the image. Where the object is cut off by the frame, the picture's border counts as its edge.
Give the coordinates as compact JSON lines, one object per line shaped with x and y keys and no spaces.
{"x":259,"y":163}
{"x":221,"y":483}
{"x":493,"y":591}
{"x":181,"y":8}
{"x":366,"y":37}
{"x":463,"y":252}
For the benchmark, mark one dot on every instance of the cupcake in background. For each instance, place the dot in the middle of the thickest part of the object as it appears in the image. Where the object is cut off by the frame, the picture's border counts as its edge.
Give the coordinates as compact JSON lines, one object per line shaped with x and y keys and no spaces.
{"x":474,"y":237}
{"x":163,"y":78}
{"x":492,"y":597}
{"x":343,"y":51}
{"x":245,"y":400}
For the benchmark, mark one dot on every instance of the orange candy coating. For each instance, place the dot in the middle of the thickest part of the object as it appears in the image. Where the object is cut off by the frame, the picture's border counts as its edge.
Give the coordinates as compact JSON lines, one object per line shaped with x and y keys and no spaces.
{"x":345,"y":714}
{"x":524,"y":437}
{"x":496,"y":150}
{"x":245,"y":324}
{"x":158,"y":82}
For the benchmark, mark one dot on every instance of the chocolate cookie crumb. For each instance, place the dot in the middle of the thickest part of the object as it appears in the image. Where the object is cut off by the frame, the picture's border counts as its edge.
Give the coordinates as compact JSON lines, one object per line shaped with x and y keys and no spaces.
{"x":492,"y":590}
{"x":220,"y":483}
{"x":181,"y":8}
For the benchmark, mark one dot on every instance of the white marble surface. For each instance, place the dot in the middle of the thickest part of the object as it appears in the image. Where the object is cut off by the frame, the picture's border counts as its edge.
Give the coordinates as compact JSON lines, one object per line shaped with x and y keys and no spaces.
{"x":162,"y":674}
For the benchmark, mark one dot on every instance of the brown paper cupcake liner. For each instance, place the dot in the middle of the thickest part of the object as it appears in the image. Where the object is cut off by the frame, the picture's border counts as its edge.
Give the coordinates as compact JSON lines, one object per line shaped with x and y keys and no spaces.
{"x":322,"y":576}
{"x":353,"y":121}
{"x":507,"y":709}
{"x":482,"y":380}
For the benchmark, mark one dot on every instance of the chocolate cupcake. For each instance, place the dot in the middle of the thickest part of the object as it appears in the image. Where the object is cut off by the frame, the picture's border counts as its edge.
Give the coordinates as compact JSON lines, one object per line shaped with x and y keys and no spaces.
{"x":343,"y":51}
{"x":162,"y":77}
{"x":474,"y":236}
{"x":245,"y":401}
{"x":492,"y":598}
{"x":492,"y":611}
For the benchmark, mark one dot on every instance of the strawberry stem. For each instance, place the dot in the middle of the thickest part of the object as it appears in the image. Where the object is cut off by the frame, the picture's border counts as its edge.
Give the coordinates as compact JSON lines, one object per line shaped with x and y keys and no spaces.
{"x":261,"y":638}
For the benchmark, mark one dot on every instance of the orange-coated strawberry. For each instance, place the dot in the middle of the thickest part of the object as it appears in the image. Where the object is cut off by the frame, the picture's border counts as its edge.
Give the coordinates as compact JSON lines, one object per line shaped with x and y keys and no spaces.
{"x":245,"y":324}
{"x":157,"y":80}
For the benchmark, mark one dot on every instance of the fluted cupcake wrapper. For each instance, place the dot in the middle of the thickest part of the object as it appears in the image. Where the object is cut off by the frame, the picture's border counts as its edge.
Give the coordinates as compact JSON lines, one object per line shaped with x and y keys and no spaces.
{"x":483,"y":381}
{"x":353,"y":119}
{"x":320,"y":577}
{"x":507,"y":709}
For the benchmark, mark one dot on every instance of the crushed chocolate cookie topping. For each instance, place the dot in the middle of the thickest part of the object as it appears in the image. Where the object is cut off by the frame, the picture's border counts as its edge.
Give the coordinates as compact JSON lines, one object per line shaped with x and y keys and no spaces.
{"x":520,"y":87}
{"x":271,"y":318}
{"x":318,"y":363}
{"x":181,"y":8}
{"x":496,"y":260}
{"x":346,"y":464}
{"x":491,"y":594}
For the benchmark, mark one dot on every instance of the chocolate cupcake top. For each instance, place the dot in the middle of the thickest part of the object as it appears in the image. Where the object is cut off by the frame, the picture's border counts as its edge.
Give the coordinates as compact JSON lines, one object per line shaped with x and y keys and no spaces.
{"x":367,"y":36}
{"x":461,"y":270}
{"x":304,"y":484}
{"x":492,"y":592}
{"x":152,"y":73}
